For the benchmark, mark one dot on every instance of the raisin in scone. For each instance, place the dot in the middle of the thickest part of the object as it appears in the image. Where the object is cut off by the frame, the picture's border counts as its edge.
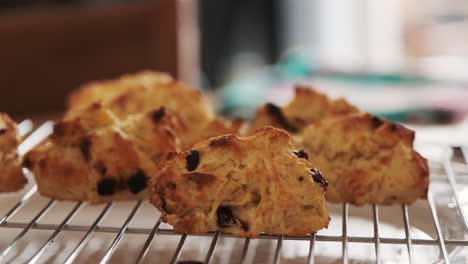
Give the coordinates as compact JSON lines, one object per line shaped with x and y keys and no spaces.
{"x":11,"y":177}
{"x":141,"y":92}
{"x":243,"y":186}
{"x":307,"y":107}
{"x":366,"y":160}
{"x":98,"y":158}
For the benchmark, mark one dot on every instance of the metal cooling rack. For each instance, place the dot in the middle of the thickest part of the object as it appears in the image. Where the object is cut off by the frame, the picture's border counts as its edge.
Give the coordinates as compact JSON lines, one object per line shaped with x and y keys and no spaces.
{"x":452,"y":175}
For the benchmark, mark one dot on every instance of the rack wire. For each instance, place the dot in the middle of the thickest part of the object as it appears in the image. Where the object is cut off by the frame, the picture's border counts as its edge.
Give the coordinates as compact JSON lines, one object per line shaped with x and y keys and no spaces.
{"x":453,"y":174}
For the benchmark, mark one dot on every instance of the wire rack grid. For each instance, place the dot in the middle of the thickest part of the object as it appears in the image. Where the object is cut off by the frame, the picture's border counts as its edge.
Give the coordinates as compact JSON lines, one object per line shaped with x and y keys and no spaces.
{"x":449,"y":171}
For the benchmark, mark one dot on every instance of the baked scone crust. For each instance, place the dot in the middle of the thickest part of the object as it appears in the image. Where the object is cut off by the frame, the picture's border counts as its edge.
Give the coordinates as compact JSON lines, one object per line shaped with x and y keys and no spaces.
{"x":11,"y":177}
{"x":307,"y":107}
{"x":366,"y":159}
{"x":98,"y":158}
{"x":241,"y":185}
{"x":142,"y":92}
{"x":214,"y":128}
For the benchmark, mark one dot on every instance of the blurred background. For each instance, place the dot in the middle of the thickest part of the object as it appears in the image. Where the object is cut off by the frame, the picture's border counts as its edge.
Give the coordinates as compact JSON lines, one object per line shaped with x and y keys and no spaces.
{"x":405,"y":60}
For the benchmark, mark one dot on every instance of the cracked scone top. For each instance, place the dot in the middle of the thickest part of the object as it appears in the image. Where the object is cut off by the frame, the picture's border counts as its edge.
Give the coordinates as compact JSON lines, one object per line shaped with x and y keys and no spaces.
{"x":307,"y":107}
{"x":144,"y":91}
{"x":11,"y":177}
{"x":243,"y":186}
{"x":366,"y":160}
{"x":97,"y":158}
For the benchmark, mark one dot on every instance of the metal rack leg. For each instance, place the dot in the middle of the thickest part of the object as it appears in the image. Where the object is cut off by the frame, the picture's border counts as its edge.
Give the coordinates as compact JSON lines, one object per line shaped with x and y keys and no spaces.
{"x":88,"y":235}
{"x":345,"y":234}
{"x":214,"y":242}
{"x":52,"y":238}
{"x":452,"y":183}
{"x":375,"y":210}
{"x":435,"y":218}
{"x":119,"y":236}
{"x":409,"y":245}
{"x":310,"y":258}
{"x":148,"y":242}
{"x":279,"y":246}
{"x":178,"y":249}
{"x":26,"y":229}
{"x":19,"y":205}
{"x":244,"y":250}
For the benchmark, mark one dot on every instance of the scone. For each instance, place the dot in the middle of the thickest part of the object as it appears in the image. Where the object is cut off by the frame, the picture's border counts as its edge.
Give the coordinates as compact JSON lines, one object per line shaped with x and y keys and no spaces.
{"x":11,"y":177}
{"x":366,"y":159}
{"x":144,"y":91}
{"x":243,"y":186}
{"x":214,"y":128}
{"x":98,"y":158}
{"x":307,"y":107}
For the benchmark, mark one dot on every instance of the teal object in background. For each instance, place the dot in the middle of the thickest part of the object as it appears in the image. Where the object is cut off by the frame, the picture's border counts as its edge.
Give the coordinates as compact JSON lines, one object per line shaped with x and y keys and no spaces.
{"x":241,"y":97}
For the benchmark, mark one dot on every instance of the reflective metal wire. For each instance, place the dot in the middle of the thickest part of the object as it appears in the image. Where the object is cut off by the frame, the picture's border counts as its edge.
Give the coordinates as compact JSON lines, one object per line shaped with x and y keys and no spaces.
{"x":121,"y":233}
{"x":450,"y":168}
{"x":375,"y":210}
{"x":409,"y":245}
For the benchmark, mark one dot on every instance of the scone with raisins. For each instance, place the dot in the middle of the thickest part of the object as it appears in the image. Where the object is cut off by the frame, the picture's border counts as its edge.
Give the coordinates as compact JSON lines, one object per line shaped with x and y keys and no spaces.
{"x":144,"y":91}
{"x":366,"y":160}
{"x":97,"y":158}
{"x":243,"y":186}
{"x":216,"y":127}
{"x":11,"y":177}
{"x":307,"y":107}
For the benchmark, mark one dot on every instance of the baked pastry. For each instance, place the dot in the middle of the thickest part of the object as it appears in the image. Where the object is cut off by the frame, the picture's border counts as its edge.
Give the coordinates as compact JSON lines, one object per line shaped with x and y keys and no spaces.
{"x":214,"y":128}
{"x":366,"y":159}
{"x":243,"y":186}
{"x":98,"y":158}
{"x":142,"y":92}
{"x":11,"y":177}
{"x":307,"y":107}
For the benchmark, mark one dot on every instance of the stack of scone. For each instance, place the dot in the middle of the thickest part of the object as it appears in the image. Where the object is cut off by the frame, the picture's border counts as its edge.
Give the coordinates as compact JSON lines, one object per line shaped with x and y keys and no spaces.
{"x":147,"y":134}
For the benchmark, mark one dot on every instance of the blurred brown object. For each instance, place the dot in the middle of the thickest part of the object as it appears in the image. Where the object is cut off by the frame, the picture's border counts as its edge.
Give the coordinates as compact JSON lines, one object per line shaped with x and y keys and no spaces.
{"x":45,"y":53}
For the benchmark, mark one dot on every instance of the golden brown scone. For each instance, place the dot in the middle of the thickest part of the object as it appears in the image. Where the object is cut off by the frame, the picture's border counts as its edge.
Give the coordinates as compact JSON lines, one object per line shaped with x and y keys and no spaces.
{"x":366,"y":159}
{"x":11,"y":177}
{"x":243,"y":186}
{"x":97,"y":158}
{"x":214,"y":128}
{"x":142,"y":92}
{"x":307,"y":107}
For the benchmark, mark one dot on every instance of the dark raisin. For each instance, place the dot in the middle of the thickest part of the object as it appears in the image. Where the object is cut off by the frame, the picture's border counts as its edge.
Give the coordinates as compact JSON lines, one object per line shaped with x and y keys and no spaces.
{"x":106,"y":187}
{"x":189,"y":262}
{"x":158,"y":114}
{"x":27,"y":163}
{"x":244,"y":225}
{"x":317,"y":176}
{"x":192,"y":160}
{"x":164,"y":206}
{"x":393,"y":127}
{"x":225,"y":217}
{"x":85,"y":147}
{"x":171,"y":186}
{"x":377,"y":121}
{"x":222,"y":141}
{"x":300,"y":178}
{"x":137,"y":182}
{"x":3,"y":131}
{"x":276,"y":112}
{"x":101,"y":167}
{"x":301,"y":154}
